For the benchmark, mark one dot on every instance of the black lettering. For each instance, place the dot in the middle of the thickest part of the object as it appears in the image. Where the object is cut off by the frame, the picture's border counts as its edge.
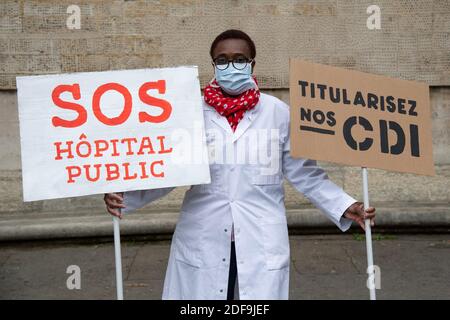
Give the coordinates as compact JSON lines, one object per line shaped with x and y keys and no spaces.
{"x":412,"y":107}
{"x":347,"y":131}
{"x":305,"y":114}
{"x":401,"y":106}
{"x":322,"y":88}
{"x":399,"y":146}
{"x":336,"y":95}
{"x":318,"y":116}
{"x":381,"y":103}
{"x":390,"y":104}
{"x":367,"y":143}
{"x":318,"y":130}
{"x":303,"y":85}
{"x":331,"y":120}
{"x":384,"y":144}
{"x":359,"y":99}
{"x":414,"y":132}
{"x":372,"y":101}
{"x":344,"y":97}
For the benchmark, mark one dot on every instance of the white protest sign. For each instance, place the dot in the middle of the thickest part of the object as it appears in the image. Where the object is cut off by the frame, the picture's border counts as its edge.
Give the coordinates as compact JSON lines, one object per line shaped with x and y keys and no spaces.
{"x":99,"y":132}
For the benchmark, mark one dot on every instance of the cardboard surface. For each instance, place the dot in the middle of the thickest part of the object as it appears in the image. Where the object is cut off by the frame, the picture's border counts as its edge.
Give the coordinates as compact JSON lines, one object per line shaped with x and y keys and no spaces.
{"x":360,"y":119}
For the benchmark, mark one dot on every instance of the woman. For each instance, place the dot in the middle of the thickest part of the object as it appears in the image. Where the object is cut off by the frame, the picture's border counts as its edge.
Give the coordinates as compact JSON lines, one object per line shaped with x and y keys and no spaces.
{"x":231,"y":240}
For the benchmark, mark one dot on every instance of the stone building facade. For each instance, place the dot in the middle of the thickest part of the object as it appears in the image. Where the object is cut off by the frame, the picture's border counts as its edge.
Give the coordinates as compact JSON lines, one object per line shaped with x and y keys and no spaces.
{"x":413,"y":43}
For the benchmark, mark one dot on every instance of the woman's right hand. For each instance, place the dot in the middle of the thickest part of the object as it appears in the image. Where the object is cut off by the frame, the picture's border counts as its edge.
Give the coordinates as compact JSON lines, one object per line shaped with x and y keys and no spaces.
{"x":114,"y":202}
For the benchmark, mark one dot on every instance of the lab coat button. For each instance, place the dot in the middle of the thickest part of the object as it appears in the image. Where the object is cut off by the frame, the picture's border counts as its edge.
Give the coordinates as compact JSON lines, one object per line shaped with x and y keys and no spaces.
{"x":224,"y":259}
{"x":225,"y":230}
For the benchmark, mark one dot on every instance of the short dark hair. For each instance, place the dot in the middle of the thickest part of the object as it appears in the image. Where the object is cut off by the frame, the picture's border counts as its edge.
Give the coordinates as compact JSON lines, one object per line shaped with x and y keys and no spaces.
{"x":234,"y":34}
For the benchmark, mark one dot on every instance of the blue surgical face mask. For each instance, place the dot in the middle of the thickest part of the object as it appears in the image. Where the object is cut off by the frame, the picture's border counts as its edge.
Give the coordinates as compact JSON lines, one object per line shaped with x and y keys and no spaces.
{"x":234,"y":81}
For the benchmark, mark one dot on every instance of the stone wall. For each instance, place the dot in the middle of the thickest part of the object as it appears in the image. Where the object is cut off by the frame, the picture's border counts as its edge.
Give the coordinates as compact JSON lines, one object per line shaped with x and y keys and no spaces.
{"x":413,"y":43}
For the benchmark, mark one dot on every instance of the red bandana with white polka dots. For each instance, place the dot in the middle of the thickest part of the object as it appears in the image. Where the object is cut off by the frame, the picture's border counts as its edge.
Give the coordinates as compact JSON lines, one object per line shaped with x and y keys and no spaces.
{"x":233,"y":108}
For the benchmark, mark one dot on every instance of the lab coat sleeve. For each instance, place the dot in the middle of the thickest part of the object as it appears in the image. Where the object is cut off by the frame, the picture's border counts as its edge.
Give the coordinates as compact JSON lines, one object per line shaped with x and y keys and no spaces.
{"x":137,"y":199}
{"x":312,"y":181}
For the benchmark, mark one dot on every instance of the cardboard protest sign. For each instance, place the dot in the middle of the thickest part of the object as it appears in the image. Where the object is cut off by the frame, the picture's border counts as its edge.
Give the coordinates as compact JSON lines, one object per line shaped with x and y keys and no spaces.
{"x":99,"y":132}
{"x":360,"y":119}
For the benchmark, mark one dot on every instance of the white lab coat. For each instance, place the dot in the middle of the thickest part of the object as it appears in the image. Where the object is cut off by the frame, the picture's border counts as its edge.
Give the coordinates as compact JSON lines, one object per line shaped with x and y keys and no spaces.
{"x":249,"y":196}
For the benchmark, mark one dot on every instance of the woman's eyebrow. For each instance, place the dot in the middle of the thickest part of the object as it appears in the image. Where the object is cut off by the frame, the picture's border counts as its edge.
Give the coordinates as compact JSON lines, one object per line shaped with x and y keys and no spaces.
{"x":221,"y":55}
{"x":233,"y":55}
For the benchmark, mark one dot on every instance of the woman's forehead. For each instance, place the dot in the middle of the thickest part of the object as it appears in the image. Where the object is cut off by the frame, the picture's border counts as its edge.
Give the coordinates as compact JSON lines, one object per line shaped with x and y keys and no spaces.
{"x":231,"y":48}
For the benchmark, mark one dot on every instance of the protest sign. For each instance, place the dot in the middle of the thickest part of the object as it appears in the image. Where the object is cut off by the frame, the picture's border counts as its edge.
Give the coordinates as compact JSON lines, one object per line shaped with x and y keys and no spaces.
{"x":360,"y":119}
{"x":99,"y":132}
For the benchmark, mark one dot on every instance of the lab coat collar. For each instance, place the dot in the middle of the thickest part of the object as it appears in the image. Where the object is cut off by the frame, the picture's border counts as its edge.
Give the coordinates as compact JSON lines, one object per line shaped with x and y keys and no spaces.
{"x":243,"y":125}
{"x":220,"y":120}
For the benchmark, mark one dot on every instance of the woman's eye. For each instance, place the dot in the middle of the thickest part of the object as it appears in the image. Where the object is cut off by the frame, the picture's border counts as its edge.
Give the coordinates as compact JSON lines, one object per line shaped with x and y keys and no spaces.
{"x":221,"y":61}
{"x":240,"y":60}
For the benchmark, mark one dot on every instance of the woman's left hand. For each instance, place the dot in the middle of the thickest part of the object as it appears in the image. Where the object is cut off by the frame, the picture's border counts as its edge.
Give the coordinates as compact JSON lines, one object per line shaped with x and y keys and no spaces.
{"x":357,"y":213}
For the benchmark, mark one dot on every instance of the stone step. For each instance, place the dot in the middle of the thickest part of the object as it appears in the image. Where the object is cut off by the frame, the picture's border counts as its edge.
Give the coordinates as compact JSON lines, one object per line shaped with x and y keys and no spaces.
{"x":18,"y":227}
